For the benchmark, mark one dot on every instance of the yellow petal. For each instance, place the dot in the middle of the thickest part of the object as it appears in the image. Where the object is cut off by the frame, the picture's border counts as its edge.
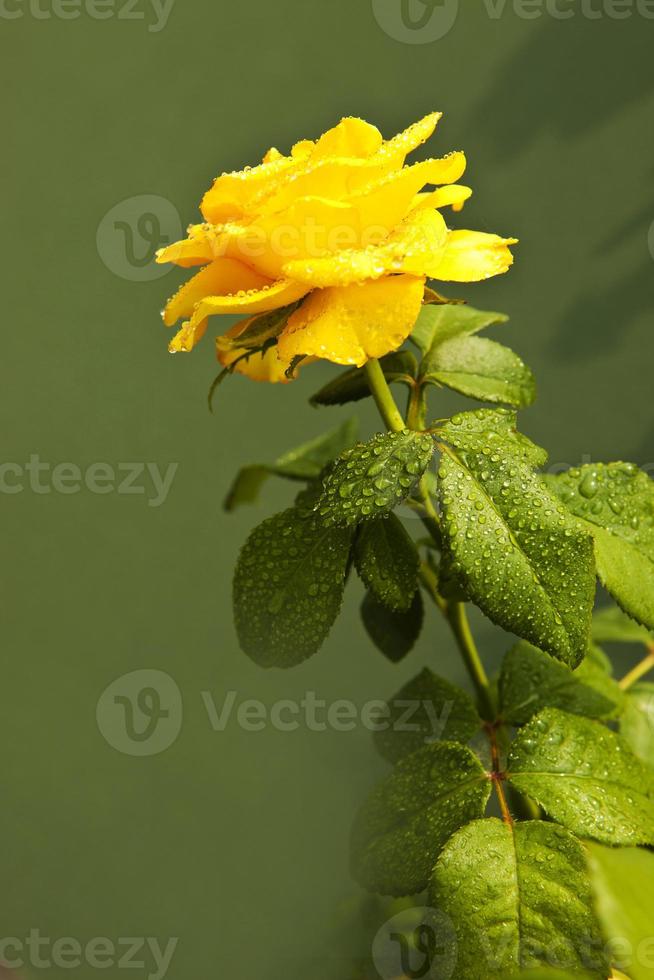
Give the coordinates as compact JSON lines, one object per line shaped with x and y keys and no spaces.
{"x":302,"y":148}
{"x":188,"y":336}
{"x":258,"y":367}
{"x":224,"y":275}
{"x":403,"y":144}
{"x":310,"y":228}
{"x":454,"y":196}
{"x":415,"y":246}
{"x":272,"y":155}
{"x":253,"y":301}
{"x":388,"y":201}
{"x":471,"y":256}
{"x":350,"y":324}
{"x":194,"y":250}
{"x":334,"y":178}
{"x":351,"y":137}
{"x":231,"y":193}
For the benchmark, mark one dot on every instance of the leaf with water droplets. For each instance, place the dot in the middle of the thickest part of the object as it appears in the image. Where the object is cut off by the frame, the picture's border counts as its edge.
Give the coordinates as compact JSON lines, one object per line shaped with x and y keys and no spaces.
{"x":394,"y":632}
{"x":585,"y":777}
{"x":623,"y":882}
{"x":489,"y":432}
{"x":637,"y":721}
{"x":438,"y":324}
{"x":615,"y":501}
{"x":532,"y":680}
{"x":426,"y":709}
{"x":288,"y":587}
{"x":352,"y":385}
{"x":401,"y":828}
{"x":481,"y":369}
{"x":518,"y":897}
{"x":518,"y":553}
{"x":306,"y":462}
{"x":373,"y":477}
{"x":387,"y":561}
{"x":612,"y":625}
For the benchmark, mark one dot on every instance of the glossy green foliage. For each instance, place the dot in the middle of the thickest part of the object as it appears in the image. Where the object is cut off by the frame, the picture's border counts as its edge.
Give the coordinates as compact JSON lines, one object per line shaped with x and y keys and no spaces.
{"x":519,"y":554}
{"x":401,"y":828}
{"x":306,"y":462}
{"x":585,"y":777}
{"x":352,"y":385}
{"x":426,"y":709}
{"x":372,"y":478}
{"x":532,"y":680}
{"x":623,"y":882}
{"x":288,"y":587}
{"x":387,"y":561}
{"x":393,"y":631}
{"x":616,"y":502}
{"x":518,"y":897}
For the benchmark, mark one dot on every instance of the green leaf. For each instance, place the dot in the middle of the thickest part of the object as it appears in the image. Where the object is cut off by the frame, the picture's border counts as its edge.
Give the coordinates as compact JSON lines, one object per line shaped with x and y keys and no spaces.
{"x":481,"y":369}
{"x":616,"y":502}
{"x":387,"y":561}
{"x":612,"y":625}
{"x":260,"y":330}
{"x":489,"y":431}
{"x":532,"y":680}
{"x":427,"y":709}
{"x":393,"y":632}
{"x":437,"y":324}
{"x":288,"y":587}
{"x":517,"y":552}
{"x":585,"y":777}
{"x":406,"y":820}
{"x":637,"y":721}
{"x":623,"y":882}
{"x":518,"y":897}
{"x":352,"y":385}
{"x":306,"y":462}
{"x":373,"y":477}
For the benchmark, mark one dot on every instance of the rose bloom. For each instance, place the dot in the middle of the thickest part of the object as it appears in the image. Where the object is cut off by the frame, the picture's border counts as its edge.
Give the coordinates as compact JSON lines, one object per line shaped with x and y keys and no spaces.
{"x":326,"y":252}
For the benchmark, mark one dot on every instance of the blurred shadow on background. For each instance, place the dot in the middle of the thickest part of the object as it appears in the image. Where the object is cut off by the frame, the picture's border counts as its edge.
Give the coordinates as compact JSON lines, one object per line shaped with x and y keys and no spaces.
{"x":546,"y":88}
{"x":598,"y":319}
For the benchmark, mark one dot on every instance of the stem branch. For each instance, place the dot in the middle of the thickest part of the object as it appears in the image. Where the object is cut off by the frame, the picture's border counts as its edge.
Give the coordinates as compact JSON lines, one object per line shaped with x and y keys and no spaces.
{"x":639,"y":670}
{"x":457,"y":618}
{"x":384,"y":400}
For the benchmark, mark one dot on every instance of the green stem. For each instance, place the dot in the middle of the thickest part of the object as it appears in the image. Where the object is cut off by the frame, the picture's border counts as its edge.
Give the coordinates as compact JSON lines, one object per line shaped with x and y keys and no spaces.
{"x":383,"y":397}
{"x":454,"y":612}
{"x":458,"y":620}
{"x":639,"y":671}
{"x":416,"y":409}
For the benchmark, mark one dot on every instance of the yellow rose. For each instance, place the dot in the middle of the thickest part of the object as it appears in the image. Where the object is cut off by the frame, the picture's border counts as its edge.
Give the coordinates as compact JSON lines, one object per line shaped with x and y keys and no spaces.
{"x":339,"y":237}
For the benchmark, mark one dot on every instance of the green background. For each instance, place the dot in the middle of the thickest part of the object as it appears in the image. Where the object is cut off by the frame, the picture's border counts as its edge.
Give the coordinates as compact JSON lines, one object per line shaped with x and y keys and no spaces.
{"x":234,"y":841}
